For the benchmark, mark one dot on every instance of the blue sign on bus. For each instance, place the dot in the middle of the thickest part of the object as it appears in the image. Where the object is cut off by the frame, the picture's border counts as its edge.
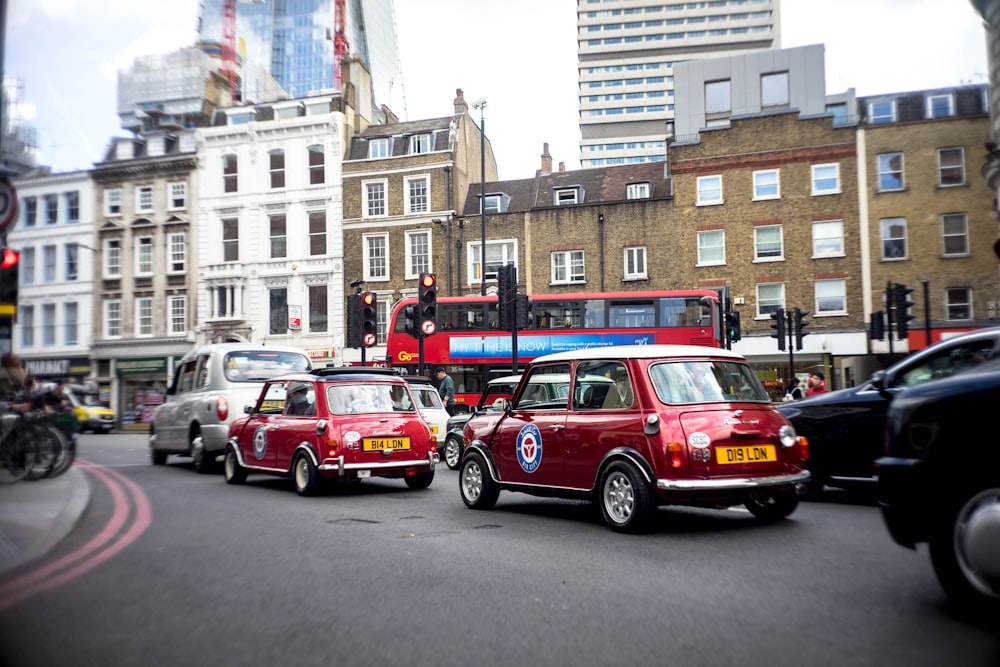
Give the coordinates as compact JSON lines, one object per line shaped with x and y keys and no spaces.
{"x":534,"y":345}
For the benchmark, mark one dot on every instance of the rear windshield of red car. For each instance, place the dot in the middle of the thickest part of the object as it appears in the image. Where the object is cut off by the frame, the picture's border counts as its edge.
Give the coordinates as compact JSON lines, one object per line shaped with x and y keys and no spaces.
{"x":706,"y":381}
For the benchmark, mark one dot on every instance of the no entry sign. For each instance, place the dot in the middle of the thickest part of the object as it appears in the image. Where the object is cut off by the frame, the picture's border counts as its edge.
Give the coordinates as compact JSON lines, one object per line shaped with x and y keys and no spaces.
{"x":8,"y":204}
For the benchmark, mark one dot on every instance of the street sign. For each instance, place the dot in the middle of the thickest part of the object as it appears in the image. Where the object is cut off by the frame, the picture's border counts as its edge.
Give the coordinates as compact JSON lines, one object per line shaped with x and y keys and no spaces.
{"x":8,"y":204}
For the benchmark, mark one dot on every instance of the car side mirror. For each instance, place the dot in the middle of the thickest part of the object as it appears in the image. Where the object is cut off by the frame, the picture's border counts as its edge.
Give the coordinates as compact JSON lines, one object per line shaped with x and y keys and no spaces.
{"x":878,"y":381}
{"x":503,"y":404}
{"x":247,"y":409}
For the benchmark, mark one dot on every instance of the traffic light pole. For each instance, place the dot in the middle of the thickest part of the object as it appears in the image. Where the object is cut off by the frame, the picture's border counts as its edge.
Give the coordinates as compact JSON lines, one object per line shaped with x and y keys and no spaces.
{"x":513,"y":334}
{"x":890,"y":316}
{"x":790,"y":331}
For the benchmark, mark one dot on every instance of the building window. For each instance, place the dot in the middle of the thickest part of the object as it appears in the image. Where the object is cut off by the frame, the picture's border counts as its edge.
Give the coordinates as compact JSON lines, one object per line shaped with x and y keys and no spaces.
{"x":417,"y":197}
{"x":893,"y":238}
{"x":774,"y":89}
{"x":277,"y":310}
{"x":27,"y":266}
{"x":113,"y":318}
{"x":71,"y":323}
{"x":709,"y":190}
{"x":890,"y":172}
{"x":48,"y":325}
{"x":717,"y":97}
{"x":278,"y":236}
{"x":831,"y":297}
{"x":637,"y":191}
{"x":144,"y":198}
{"x":317,"y":233}
{"x":839,"y":113}
{"x":73,"y":206}
{"x":144,"y":316}
{"x":177,"y":252}
{"x":317,"y":165}
{"x":711,"y":247}
{"x":144,"y":256}
{"x":374,"y":199}
{"x":958,"y":303}
{"x":940,"y":106}
{"x":318,"y":309}
{"x":498,"y":253}
{"x":564,"y":197}
{"x":51,"y":209}
{"x":31,"y":210}
{"x":231,"y":240}
{"x":177,"y":309}
{"x":420,"y":143}
{"x":768,"y":243}
{"x":26,"y":320}
{"x":882,"y":112}
{"x":495,"y":203}
{"x":568,"y":267}
{"x":276,"y":164}
{"x":178,"y":195}
{"x":955,"y":234}
{"x":766,"y":184}
{"x":48,"y":264}
{"x":770,"y":297}
{"x":113,"y":201}
{"x":418,"y":253}
{"x":113,"y":258}
{"x":230,"y":175}
{"x":951,"y":166}
{"x":378,"y":148}
{"x":635,"y":263}
{"x":376,"y":256}
{"x":382,"y":315}
{"x":826,"y":179}
{"x":72,"y":261}
{"x":828,"y":238}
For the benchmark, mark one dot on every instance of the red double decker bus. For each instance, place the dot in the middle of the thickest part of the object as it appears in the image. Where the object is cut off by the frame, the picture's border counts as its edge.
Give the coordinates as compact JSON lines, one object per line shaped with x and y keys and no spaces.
{"x":472,"y":348}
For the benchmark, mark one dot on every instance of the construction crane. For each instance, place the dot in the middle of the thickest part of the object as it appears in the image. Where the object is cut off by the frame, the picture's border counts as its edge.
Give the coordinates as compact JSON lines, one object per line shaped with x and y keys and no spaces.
{"x":229,"y":44}
{"x":339,"y":41}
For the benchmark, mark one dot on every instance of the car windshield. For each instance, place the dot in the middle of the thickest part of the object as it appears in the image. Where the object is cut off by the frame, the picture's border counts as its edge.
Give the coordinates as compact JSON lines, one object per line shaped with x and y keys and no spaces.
{"x":427,"y":397}
{"x":706,"y":381}
{"x":352,"y":399}
{"x":258,"y":365}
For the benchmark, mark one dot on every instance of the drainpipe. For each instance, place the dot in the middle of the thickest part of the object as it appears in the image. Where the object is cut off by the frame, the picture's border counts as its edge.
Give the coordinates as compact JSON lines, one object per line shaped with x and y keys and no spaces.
{"x":600,"y":245}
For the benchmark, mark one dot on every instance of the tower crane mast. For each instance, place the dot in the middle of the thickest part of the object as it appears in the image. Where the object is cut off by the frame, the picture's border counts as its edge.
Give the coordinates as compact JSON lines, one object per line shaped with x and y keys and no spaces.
{"x":339,"y":41}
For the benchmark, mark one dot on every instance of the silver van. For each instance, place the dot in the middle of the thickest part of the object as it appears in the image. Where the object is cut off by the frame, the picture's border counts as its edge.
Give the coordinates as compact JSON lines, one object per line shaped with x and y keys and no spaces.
{"x":211,"y":386}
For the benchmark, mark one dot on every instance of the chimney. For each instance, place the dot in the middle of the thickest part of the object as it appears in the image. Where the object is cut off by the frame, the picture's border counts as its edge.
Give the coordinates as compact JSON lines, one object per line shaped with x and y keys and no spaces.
{"x":562,"y":166}
{"x":546,"y":159}
{"x":460,"y":105}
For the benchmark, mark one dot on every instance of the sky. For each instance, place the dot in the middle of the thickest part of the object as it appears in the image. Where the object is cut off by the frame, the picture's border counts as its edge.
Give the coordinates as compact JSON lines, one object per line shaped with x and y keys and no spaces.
{"x":519,"y":55}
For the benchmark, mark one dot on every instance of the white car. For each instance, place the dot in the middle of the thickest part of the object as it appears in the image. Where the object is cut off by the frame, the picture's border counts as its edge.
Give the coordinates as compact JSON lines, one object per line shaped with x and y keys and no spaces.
{"x":430,"y":406}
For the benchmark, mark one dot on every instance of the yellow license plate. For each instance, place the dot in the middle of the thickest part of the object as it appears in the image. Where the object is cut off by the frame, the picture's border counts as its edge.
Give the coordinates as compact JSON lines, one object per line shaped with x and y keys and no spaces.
{"x":380,"y":444}
{"x":748,"y":454}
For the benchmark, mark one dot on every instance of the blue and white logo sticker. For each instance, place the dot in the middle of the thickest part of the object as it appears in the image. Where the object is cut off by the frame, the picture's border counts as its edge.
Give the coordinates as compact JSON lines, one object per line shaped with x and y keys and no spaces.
{"x":529,"y":447}
{"x":260,"y":442}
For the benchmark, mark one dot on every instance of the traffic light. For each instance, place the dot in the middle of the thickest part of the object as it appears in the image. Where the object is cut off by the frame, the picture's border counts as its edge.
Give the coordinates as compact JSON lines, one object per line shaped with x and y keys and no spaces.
{"x":525,"y":318}
{"x":506,"y":294}
{"x":410,"y":313}
{"x":427,"y":296}
{"x":901,"y":300}
{"x":800,"y":324}
{"x":353,"y":320}
{"x":779,"y":327}
{"x":10,"y":265}
{"x":733,"y":326}
{"x":878,"y":325}
{"x":369,"y":318}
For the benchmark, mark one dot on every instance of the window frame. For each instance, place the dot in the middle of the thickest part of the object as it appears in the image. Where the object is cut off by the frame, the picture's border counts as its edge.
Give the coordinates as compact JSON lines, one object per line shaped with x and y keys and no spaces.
{"x":144,"y":194}
{"x":815,"y":250}
{"x":950,"y":306}
{"x":413,"y":265}
{"x":50,"y":263}
{"x":230,"y":173}
{"x":229,"y":242}
{"x":111,"y":267}
{"x":884,"y":171}
{"x":945,"y":235}
{"x":111,"y":322}
{"x":378,"y":149}
{"x":367,"y":188}
{"x":757,"y":186}
{"x":757,"y":242}
{"x":764,"y":307}
{"x":143,"y":247}
{"x":842,"y":295}
{"x":701,"y":247}
{"x":176,"y":252}
{"x":113,"y":202}
{"x":276,"y":168}
{"x":176,"y":195}
{"x":315,"y":236}
{"x":709,"y":93}
{"x":817,"y":179}
{"x":368,"y":260}
{"x":883,"y":239}
{"x":144,"y":317}
{"x":277,"y":244}
{"x":883,"y":117}
{"x":508,"y":254}
{"x":702,"y":191}
{"x":960,"y":168}
{"x":173,"y":317}
{"x":317,"y":170}
{"x":71,"y":323}
{"x":72,"y":201}
{"x":26,"y":322}
{"x":50,"y":214}
{"x":420,"y":144}
{"x":632,"y":258}
{"x":638,"y":190}
{"x":571,"y":265}
{"x":417,"y":203}
{"x":948,"y":97}
{"x":779,"y":77}
{"x":314,"y":313}
{"x":48,"y":325}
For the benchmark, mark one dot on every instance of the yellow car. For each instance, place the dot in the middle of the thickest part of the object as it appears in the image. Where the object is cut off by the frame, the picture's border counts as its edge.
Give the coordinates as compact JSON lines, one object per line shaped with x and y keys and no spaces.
{"x":90,"y":414}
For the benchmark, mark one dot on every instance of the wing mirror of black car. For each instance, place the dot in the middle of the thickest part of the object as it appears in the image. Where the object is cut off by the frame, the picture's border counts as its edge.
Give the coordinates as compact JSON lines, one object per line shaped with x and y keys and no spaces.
{"x":878,"y":381}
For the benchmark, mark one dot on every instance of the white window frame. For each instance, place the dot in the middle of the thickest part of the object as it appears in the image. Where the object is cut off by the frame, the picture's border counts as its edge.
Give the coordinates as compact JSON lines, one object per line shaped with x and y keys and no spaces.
{"x":71,"y":323}
{"x":635,"y":263}
{"x":960,"y":167}
{"x":726,"y":106}
{"x":113,"y":202}
{"x":949,"y":304}
{"x":883,"y":239}
{"x":144,"y":256}
{"x":948,"y":97}
{"x":886,"y":170}
{"x":769,"y":84}
{"x":276,"y":176}
{"x":878,"y":119}
{"x":317,"y":172}
{"x":112,"y":318}
{"x":565,"y":196}
{"x":419,"y":203}
{"x":817,"y":239}
{"x":48,"y":325}
{"x":176,"y":252}
{"x":707,"y":187}
{"x":50,"y":263}
{"x":230,"y":242}
{"x":28,"y":265}
{"x":568,"y":267}
{"x":494,"y":204}
{"x":961,"y":218}
{"x":277,"y":244}
{"x":830,"y":288}
{"x":820,"y":177}
{"x":112,"y":253}
{"x":230,"y":176}
{"x":757,"y":257}
{"x":378,"y":149}
{"x":420,"y":144}
{"x":508,"y":254}
{"x":366,"y":208}
{"x":177,"y":195}
{"x":771,"y":302}
{"x":413,"y":266}
{"x":705,"y":235}
{"x":144,"y":198}
{"x":761,"y":184}
{"x":367,"y":241}
{"x":637,"y":191}
{"x":176,"y":315}
{"x":144,"y":317}
{"x":26,"y":322}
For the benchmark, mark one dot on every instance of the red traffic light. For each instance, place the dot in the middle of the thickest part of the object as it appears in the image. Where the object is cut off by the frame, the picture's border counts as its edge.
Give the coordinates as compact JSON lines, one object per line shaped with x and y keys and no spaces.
{"x":368,"y":298}
{"x":428,"y":280}
{"x":10,"y":258}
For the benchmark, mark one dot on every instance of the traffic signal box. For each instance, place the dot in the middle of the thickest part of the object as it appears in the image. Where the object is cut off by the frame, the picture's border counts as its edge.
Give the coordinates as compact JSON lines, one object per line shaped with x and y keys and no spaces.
{"x":800,"y":325}
{"x":10,"y":265}
{"x":902,"y":303}
{"x":427,"y":304}
{"x":779,"y":327}
{"x":353,"y":320}
{"x":878,"y":325}
{"x":506,"y":296}
{"x":369,"y":318}
{"x":733,"y":326}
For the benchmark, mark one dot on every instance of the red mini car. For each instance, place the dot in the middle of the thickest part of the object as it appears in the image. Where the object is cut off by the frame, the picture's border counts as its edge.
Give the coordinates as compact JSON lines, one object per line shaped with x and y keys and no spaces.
{"x":680,"y":425}
{"x":333,"y":424}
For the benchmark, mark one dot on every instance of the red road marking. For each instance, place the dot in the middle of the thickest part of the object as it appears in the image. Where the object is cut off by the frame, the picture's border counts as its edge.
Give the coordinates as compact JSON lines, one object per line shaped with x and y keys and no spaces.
{"x":85,"y":559}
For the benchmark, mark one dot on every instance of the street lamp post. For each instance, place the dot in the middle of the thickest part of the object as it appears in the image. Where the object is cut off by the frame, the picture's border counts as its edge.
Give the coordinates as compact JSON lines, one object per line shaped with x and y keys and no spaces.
{"x":481,"y":105}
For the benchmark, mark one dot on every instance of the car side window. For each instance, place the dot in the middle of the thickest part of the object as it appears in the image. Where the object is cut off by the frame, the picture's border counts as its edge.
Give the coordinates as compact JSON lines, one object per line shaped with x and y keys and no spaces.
{"x":947,"y":363}
{"x":301,"y":399}
{"x":204,"y":362}
{"x":273,"y":401}
{"x":535,"y":395}
{"x":186,"y":381}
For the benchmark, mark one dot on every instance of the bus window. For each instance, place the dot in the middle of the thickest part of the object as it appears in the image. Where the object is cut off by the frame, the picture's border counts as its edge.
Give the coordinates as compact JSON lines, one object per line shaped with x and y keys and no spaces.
{"x":673,"y":312}
{"x":594,"y":317}
{"x":632,"y":315}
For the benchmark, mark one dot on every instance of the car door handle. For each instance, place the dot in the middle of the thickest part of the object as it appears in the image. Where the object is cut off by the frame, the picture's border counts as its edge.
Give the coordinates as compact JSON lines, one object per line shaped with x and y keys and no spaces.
{"x":557,"y":427}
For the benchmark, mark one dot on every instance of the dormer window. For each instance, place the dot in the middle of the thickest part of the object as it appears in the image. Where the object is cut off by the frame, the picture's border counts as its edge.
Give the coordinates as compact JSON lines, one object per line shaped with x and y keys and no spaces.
{"x":420,"y":143}
{"x":566,"y":196}
{"x":378,"y":148}
{"x":940,"y":106}
{"x":637,"y":191}
{"x":496,"y":202}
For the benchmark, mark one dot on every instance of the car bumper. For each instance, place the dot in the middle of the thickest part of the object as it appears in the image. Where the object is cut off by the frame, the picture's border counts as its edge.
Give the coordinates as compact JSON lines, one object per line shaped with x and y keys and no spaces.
{"x":338,"y":468}
{"x":101,"y":423}
{"x":738,"y":484}
{"x":214,"y":437}
{"x":904,"y":500}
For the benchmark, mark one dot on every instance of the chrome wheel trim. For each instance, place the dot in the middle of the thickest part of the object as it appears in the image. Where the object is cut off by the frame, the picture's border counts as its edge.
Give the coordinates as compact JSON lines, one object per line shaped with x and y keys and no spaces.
{"x":472,"y":481}
{"x":301,"y":473}
{"x":977,"y":542}
{"x":451,"y":452}
{"x":229,"y":464}
{"x":619,"y":497}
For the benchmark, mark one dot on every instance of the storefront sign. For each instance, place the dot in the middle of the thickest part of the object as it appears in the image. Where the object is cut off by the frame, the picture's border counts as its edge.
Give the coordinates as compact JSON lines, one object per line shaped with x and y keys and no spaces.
{"x":294,"y":317}
{"x":143,"y":365}
{"x":320,"y":354}
{"x":57,"y":368}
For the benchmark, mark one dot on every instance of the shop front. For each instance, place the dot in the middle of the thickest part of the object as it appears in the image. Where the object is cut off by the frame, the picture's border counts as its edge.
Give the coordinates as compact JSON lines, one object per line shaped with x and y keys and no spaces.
{"x":142,"y":386}
{"x":74,"y":370}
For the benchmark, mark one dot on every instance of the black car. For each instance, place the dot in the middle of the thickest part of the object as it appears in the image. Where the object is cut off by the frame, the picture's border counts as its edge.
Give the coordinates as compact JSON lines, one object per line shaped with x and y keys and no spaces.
{"x":846,"y":428}
{"x":501,"y":387}
{"x":940,"y":483}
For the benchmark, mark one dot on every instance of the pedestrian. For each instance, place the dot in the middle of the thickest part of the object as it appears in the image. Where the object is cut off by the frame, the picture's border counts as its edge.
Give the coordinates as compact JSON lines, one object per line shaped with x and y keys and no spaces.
{"x":55,"y":399}
{"x":816,"y":383}
{"x":446,"y":387}
{"x":11,"y":376}
{"x":793,"y":392}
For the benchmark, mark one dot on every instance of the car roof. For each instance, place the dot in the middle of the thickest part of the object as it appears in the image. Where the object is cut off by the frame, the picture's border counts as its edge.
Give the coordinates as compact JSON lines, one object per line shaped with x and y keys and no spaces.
{"x":506,"y":379}
{"x":418,"y":379}
{"x":333,"y":373}
{"x":640,"y":352}
{"x":243,"y":347}
{"x":978,"y":334}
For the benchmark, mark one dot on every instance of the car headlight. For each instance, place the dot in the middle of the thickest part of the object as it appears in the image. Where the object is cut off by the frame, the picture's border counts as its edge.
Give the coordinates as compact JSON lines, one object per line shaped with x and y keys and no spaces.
{"x":787,"y":436}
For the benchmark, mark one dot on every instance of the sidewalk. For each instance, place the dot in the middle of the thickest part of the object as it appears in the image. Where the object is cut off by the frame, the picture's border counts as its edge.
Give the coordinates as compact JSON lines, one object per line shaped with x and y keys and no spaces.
{"x":35,"y":516}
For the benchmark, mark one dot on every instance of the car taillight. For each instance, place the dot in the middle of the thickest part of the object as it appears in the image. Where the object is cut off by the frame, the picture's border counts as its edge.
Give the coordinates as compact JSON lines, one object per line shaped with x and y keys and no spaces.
{"x":674,"y":449}
{"x":222,"y":408}
{"x":434,"y":443}
{"x":804,"y":447}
